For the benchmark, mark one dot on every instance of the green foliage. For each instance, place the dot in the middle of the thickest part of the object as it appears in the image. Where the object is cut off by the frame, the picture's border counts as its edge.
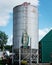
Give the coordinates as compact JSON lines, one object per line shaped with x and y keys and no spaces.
{"x":3,"y":39}
{"x":1,"y":62}
{"x":8,"y":47}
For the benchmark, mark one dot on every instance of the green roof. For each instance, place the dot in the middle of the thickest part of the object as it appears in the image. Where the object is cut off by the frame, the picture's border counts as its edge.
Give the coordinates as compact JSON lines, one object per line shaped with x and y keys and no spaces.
{"x":47,"y":37}
{"x":46,"y":47}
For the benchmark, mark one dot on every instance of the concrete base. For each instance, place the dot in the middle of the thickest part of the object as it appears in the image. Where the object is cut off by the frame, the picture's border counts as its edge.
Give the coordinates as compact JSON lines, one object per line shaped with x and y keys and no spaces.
{"x":40,"y":64}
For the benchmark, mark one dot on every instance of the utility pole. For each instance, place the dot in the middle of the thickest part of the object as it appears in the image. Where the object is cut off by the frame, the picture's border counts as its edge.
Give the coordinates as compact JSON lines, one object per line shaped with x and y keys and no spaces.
{"x":30,"y":53}
{"x":19,"y":55}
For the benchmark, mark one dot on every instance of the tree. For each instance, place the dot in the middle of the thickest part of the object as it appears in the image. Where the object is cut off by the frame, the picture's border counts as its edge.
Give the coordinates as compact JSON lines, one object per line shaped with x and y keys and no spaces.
{"x":3,"y":39}
{"x":8,"y":47}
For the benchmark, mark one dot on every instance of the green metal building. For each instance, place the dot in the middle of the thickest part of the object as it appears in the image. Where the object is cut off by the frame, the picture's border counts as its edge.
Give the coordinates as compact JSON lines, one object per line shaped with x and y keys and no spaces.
{"x":45,"y":48}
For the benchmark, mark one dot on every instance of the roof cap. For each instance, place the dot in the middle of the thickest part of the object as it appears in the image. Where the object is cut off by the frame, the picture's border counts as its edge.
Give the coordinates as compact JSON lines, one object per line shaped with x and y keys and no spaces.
{"x":26,"y":3}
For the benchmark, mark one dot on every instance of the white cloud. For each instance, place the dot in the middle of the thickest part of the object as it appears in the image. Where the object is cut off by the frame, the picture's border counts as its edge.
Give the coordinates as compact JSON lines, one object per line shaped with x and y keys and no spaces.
{"x":43,"y":32}
{"x":10,"y":40}
{"x":4,"y":21}
{"x":6,"y":7}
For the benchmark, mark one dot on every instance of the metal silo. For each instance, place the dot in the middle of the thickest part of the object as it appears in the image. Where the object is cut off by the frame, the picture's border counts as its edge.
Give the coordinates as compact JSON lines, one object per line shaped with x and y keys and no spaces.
{"x":25,"y":26}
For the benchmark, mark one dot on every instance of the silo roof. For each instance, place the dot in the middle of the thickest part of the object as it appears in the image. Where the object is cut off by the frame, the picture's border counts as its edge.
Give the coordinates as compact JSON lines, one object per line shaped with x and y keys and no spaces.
{"x":25,"y":4}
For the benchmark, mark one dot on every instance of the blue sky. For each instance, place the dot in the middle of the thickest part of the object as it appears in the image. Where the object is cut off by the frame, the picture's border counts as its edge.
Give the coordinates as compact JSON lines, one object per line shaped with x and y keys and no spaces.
{"x":6,"y":16}
{"x":45,"y":17}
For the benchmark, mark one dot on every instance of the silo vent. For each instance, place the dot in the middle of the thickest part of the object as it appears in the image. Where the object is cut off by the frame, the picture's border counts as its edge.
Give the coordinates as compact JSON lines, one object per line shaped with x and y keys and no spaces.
{"x":25,"y":4}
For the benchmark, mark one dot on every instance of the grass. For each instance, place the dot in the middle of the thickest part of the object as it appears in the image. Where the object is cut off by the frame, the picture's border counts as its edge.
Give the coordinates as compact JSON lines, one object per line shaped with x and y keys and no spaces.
{"x":0,"y":62}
